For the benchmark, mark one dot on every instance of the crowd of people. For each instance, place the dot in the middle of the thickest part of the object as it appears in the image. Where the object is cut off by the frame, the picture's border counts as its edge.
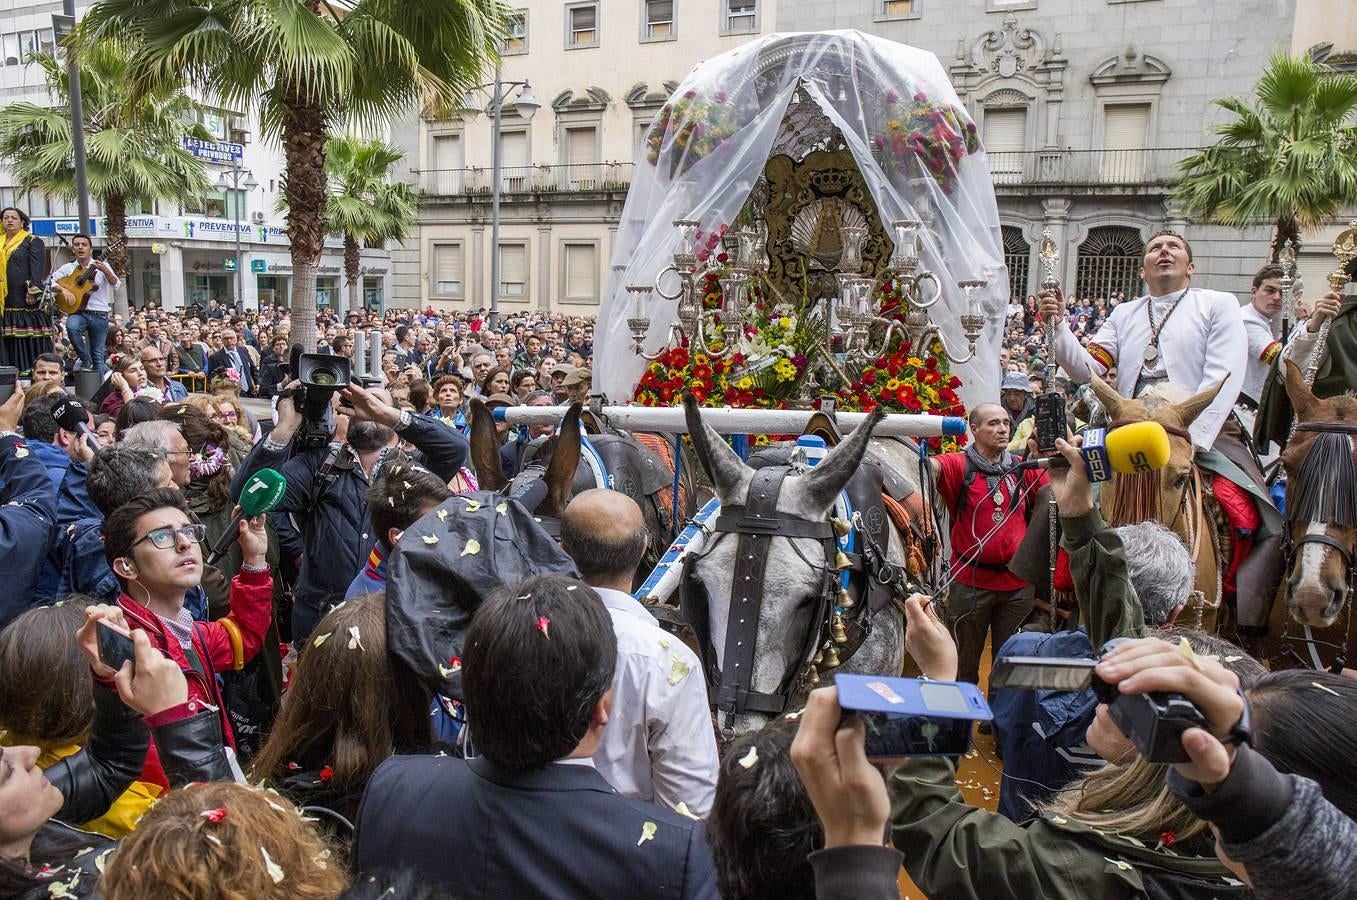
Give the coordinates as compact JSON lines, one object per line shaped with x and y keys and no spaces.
{"x":393,"y":683}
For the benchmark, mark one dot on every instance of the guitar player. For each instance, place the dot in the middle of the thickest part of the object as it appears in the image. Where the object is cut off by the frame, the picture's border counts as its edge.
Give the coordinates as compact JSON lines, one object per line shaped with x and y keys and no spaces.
{"x":89,"y":327}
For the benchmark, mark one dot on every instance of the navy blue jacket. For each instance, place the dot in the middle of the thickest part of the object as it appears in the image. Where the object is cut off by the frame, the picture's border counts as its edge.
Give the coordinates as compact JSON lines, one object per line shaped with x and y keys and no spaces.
{"x":73,"y":498}
{"x":26,"y":524}
{"x":559,"y":831}
{"x":336,"y":533}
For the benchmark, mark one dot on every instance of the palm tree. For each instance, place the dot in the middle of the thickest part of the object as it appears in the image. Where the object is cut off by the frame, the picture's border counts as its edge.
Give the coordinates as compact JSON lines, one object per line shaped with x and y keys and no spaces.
{"x":313,"y":67}
{"x":1290,"y":157}
{"x":363,"y":205}
{"x":133,"y":150}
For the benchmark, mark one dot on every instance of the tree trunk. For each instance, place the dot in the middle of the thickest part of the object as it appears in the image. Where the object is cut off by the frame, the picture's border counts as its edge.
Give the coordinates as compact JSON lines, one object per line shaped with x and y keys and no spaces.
{"x":304,"y":187}
{"x":115,"y":210}
{"x":351,"y":270}
{"x":1286,"y":230}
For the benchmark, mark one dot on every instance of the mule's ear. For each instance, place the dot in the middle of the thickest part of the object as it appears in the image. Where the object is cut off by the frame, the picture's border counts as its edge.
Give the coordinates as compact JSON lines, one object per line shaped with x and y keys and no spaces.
{"x":1303,"y":399}
{"x":1194,"y":406}
{"x":728,"y":473}
{"x":1107,"y":396}
{"x":485,"y":448}
{"x":565,"y":462}
{"x":823,"y":483}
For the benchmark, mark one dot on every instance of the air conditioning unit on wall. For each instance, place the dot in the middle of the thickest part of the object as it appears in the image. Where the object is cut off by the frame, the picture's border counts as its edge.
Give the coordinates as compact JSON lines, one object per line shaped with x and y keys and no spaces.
{"x":257,"y":217}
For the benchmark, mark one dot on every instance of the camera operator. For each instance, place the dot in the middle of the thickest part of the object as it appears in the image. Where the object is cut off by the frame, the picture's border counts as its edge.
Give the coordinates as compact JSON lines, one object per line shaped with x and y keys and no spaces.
{"x":1127,"y":581}
{"x":28,"y":516}
{"x":326,"y":487}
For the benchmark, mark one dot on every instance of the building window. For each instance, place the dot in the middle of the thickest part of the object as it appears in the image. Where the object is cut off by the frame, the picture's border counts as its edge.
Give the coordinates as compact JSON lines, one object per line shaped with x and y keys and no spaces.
{"x":1126,"y":129}
{"x":226,"y":204}
{"x":657,"y":20}
{"x":448,"y":264}
{"x":1018,"y":258}
{"x":17,"y":46}
{"x":515,"y":165}
{"x":887,"y":10}
{"x":513,"y":270}
{"x":1005,"y":139}
{"x":1009,"y":5}
{"x":581,"y":25}
{"x":740,"y":17}
{"x":580,"y":152}
{"x":516,"y":41}
{"x":579,"y":272}
{"x":1109,"y":262}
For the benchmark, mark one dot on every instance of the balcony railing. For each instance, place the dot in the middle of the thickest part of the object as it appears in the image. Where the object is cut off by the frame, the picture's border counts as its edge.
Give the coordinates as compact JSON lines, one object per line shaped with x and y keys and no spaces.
{"x":1130,"y":168}
{"x":612,"y":176}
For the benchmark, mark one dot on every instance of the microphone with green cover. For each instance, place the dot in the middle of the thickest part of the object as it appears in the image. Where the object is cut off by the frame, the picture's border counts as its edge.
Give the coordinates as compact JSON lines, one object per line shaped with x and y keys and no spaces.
{"x":261,"y":494}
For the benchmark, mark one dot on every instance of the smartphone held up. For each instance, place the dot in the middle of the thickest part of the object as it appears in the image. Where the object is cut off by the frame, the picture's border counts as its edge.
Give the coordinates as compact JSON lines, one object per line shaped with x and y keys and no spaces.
{"x":913,"y":716}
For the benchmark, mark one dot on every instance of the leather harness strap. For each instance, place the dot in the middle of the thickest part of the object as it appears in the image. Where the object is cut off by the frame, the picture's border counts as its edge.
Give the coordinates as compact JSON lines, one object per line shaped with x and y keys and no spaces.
{"x":1333,"y":427}
{"x":755,"y":525}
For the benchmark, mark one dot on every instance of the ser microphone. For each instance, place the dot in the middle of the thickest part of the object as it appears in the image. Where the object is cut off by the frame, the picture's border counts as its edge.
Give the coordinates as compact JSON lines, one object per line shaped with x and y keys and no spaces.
{"x":1138,"y":447}
{"x":72,"y":416}
{"x":261,"y":494}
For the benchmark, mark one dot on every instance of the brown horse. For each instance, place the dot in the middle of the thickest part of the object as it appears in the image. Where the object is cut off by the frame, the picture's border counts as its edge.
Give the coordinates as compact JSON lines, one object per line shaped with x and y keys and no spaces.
{"x":1176,"y":495}
{"x":1310,"y":627}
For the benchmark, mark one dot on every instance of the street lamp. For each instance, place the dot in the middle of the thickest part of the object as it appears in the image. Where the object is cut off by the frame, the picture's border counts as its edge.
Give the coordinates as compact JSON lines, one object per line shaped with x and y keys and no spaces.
{"x":234,"y":183}
{"x":526,"y":104}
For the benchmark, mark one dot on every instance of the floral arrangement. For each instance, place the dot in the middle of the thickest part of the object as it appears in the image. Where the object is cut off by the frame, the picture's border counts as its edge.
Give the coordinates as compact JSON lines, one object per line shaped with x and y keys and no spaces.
{"x":693,"y":127}
{"x":774,"y":354}
{"x":935,"y":133}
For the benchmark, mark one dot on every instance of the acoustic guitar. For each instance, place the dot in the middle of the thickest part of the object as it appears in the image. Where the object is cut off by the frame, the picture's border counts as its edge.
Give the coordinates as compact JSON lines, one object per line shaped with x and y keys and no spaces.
{"x":82,"y":284}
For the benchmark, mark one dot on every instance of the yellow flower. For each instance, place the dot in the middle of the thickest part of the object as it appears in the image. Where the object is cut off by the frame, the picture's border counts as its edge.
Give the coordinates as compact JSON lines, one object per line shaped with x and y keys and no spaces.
{"x":785,"y":369}
{"x":914,"y":362}
{"x":785,"y":322}
{"x":745,"y":383}
{"x":893,"y":384}
{"x":700,"y":359}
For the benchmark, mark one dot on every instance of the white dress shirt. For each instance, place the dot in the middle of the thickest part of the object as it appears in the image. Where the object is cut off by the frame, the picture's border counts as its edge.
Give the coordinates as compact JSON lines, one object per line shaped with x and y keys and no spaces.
{"x":659,"y":744}
{"x":1202,"y":344}
{"x":1263,"y":348}
{"x":102,"y":298}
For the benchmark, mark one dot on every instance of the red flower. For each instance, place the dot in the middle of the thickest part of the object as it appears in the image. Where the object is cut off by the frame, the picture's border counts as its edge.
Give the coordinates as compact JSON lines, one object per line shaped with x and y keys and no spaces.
{"x":931,"y":362}
{"x":326,"y":774}
{"x":869,"y":377}
{"x":214,"y":815}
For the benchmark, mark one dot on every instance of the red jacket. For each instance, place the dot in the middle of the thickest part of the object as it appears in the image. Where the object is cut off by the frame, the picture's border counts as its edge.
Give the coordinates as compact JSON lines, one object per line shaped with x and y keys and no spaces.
{"x":251,"y":610}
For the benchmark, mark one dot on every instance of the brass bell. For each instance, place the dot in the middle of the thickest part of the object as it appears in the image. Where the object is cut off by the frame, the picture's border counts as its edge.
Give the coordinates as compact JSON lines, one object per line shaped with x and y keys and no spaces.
{"x":819,"y":658}
{"x":841,"y":560}
{"x":842,"y":527}
{"x":836,"y":630}
{"x":844,"y":599}
{"x":831,"y":657}
{"x":813,"y":675}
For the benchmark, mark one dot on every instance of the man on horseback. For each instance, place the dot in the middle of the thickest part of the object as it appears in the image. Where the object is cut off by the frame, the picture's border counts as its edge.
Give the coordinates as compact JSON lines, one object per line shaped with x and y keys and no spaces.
{"x":1206,"y":346}
{"x":1334,"y":366}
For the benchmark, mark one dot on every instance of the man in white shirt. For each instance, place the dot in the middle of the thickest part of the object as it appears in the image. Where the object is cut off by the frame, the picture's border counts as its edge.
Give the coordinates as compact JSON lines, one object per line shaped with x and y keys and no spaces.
{"x":1190,"y":336}
{"x":659,"y":745}
{"x":1262,"y":328}
{"x":88,"y":328}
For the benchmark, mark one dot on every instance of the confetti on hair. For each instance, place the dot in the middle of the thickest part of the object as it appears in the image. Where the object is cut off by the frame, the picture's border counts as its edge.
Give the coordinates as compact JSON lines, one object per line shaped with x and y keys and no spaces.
{"x":1327,"y":690}
{"x":543,"y":625}
{"x":275,"y":871}
{"x":326,"y":774}
{"x":683,"y":810}
{"x":214,"y":815}
{"x":211,"y":837}
{"x":321,"y":638}
{"x":391,"y":502}
{"x":678,"y":669}
{"x":502,"y":509}
{"x":648,"y":830}
{"x":442,"y":515}
{"x":472,"y":547}
{"x":275,"y":806}
{"x":1233,"y":659}
{"x":793,"y":716}
{"x":471,"y":505}
{"x":430,"y":539}
{"x":356,"y":639}
{"x":750,"y":759}
{"x":1197,"y":662}
{"x":407,"y":484}
{"x":571,"y":587}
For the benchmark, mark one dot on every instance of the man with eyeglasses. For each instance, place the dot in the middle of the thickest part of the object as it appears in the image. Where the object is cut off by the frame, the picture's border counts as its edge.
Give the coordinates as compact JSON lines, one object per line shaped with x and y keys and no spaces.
{"x":153,"y":360}
{"x":155,"y":549}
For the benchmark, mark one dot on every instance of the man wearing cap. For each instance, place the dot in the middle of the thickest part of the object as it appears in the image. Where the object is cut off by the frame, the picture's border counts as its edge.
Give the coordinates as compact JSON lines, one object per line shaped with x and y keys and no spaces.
{"x":1015,"y":393}
{"x":508,"y":438}
{"x":558,"y":376}
{"x":577,"y":385}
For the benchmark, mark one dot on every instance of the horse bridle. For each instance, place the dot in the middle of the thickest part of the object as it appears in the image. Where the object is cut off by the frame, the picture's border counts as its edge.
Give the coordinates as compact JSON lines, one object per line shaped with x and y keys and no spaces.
{"x":755,"y":524}
{"x":1348,"y":554}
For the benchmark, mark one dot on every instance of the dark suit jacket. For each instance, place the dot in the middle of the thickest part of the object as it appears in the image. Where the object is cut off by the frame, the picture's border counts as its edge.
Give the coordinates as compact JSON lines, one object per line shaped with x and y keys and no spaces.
{"x":221,"y":359}
{"x":27,"y":268}
{"x":561,"y":831}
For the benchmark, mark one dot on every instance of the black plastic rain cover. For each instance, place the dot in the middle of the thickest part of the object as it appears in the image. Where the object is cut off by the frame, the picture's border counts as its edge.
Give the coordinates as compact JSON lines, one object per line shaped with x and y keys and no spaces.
{"x":446,"y":565}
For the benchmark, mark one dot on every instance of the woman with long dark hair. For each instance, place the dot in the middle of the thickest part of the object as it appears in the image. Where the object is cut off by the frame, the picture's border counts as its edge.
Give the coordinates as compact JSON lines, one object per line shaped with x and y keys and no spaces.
{"x":27,"y":328}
